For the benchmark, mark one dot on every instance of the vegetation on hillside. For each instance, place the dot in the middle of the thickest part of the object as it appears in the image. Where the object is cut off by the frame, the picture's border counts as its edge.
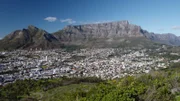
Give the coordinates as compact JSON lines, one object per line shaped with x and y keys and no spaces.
{"x":23,"y":88}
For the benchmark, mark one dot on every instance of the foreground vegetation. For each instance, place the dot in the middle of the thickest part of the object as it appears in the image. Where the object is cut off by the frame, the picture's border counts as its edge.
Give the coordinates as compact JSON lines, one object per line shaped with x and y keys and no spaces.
{"x":162,"y":85}
{"x":23,"y":89}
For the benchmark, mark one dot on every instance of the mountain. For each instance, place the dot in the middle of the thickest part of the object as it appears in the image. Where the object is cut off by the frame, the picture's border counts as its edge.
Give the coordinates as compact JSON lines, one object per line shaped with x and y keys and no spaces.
{"x":111,"y":34}
{"x":102,"y":30}
{"x":166,"y":38}
{"x":32,"y":37}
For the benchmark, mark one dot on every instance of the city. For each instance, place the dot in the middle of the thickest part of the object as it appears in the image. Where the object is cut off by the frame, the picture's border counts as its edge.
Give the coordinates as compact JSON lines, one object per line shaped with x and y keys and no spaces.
{"x":104,"y":63}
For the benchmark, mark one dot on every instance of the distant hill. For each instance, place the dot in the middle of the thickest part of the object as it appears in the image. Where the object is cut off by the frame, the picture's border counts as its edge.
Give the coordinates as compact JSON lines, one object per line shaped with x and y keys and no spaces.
{"x":111,"y":34}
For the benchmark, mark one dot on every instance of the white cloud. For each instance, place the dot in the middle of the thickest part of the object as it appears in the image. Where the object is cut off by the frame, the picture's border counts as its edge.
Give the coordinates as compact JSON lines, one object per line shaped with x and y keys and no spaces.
{"x":176,"y":27}
{"x":50,"y":19}
{"x":69,"y":21}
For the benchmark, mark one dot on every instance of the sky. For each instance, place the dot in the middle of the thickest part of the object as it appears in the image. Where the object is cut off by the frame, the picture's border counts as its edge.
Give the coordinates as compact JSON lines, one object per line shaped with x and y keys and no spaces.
{"x":158,"y":16}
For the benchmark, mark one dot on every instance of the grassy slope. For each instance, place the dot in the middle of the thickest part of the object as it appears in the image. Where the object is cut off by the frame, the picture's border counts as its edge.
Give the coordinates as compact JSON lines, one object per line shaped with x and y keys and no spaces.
{"x":62,"y":93}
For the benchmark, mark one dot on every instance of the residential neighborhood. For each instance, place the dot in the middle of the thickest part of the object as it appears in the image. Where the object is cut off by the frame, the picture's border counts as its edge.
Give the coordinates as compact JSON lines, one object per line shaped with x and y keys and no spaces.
{"x":104,"y":63}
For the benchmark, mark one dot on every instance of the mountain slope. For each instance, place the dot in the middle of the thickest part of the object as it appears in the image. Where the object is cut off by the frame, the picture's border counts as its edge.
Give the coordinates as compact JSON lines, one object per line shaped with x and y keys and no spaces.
{"x":166,"y":38}
{"x":32,"y":37}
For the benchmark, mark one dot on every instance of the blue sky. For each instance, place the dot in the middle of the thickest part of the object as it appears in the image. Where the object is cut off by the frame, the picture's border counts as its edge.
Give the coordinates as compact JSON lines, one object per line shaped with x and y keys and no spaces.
{"x":159,"y":16}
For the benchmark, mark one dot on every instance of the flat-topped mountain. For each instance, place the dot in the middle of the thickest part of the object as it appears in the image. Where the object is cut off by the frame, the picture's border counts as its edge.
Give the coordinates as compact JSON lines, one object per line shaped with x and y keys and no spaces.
{"x":105,"y":30}
{"x":111,"y":31}
{"x":90,"y":35}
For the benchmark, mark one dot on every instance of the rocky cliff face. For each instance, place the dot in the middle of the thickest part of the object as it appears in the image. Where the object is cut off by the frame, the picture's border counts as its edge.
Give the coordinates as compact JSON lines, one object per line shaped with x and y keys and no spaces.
{"x":103,"y":30}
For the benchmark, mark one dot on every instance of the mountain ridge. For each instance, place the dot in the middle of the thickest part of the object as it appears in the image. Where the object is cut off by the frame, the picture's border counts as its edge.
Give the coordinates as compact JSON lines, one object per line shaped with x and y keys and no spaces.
{"x":108,"y":33}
